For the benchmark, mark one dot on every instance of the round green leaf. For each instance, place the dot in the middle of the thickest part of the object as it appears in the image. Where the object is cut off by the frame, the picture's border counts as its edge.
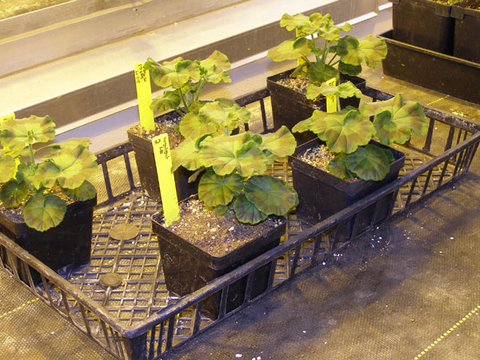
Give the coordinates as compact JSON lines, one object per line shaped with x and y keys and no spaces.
{"x":369,"y":162}
{"x":226,"y":154}
{"x":246,"y":212}
{"x":85,"y":192}
{"x":18,"y":133}
{"x":44,"y":212}
{"x":345,"y":132}
{"x":167,"y":101}
{"x":281,"y":143}
{"x":75,"y":165}
{"x":13,"y":193}
{"x":338,"y":167}
{"x":320,"y":72}
{"x":271,"y":195}
{"x":215,"y":190}
{"x":291,"y":50}
{"x":8,"y":166}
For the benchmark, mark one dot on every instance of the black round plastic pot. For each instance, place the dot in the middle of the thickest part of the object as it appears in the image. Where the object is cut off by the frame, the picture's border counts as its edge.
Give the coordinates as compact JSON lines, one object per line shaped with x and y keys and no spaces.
{"x":188,"y":268}
{"x":290,"y":106}
{"x":147,"y":171}
{"x":467,"y":25}
{"x":322,"y":194}
{"x":68,"y":244}
{"x":423,"y":23}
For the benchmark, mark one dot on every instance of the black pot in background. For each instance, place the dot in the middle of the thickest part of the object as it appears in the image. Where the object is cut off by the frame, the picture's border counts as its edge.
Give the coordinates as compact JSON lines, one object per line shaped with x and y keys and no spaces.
{"x":423,"y":23}
{"x":321,"y":194}
{"x":433,"y":70}
{"x":68,"y":244}
{"x":290,"y":106}
{"x":187,"y":268}
{"x":467,"y":27}
{"x":147,"y":170}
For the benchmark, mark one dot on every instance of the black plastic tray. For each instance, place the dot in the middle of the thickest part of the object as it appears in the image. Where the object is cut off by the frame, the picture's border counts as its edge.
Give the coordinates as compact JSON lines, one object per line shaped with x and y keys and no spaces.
{"x":138,"y":319}
{"x":433,"y":70}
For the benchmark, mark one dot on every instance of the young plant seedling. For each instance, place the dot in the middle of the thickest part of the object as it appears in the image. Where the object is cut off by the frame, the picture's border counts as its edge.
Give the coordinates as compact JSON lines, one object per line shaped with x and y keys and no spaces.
{"x":235,"y":167}
{"x":334,"y":56}
{"x":347,"y":133}
{"x":40,"y":179}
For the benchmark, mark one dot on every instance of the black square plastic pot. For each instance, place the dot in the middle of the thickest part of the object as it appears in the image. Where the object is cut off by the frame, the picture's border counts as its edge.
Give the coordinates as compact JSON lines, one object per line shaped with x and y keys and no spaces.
{"x":68,"y":244}
{"x":147,"y":171}
{"x":321,"y":194}
{"x":423,"y":23}
{"x":430,"y":69}
{"x":187,"y":268}
{"x":467,"y":27}
{"x":290,"y":106}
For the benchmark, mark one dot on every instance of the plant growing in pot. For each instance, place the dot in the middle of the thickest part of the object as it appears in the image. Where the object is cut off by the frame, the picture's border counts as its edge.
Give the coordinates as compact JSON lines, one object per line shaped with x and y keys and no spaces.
{"x":47,"y":200}
{"x":338,"y":57}
{"x":344,"y":164}
{"x":239,"y":213}
{"x":183,"y":81}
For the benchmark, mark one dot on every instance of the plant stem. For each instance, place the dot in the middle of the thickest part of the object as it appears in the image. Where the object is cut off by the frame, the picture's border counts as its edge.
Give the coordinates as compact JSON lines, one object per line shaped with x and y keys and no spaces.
{"x":199,"y":88}
{"x":32,"y":159}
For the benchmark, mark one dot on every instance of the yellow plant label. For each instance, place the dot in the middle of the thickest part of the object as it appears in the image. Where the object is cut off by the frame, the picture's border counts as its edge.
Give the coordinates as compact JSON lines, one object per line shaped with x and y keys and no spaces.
{"x":166,"y":180}
{"x":298,"y":33}
{"x":144,"y":96}
{"x":331,"y":99}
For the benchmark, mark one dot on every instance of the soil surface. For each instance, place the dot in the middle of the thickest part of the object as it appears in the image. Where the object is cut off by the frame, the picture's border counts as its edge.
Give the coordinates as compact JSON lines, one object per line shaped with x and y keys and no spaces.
{"x":165,"y":124}
{"x":318,"y":156}
{"x":470,"y":4}
{"x":215,"y":234}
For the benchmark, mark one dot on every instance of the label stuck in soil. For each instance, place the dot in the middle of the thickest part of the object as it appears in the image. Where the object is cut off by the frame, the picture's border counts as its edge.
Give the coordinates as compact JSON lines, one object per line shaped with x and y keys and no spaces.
{"x":331,"y":99}
{"x":166,"y":179}
{"x":144,"y":96}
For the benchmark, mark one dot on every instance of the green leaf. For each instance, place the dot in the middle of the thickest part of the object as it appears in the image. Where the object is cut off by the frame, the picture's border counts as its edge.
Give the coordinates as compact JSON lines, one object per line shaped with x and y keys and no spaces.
{"x":167,"y":101}
{"x":246,"y":212}
{"x":18,"y":133}
{"x":369,"y":162}
{"x":226,"y":154}
{"x":320,"y":72}
{"x":347,"y":69}
{"x":396,"y":118}
{"x":343,"y":90}
{"x":215,"y":190}
{"x":13,"y":193}
{"x":215,"y":68}
{"x":294,"y":22}
{"x":372,"y":50}
{"x":271,"y":195}
{"x":42,"y":213}
{"x":281,"y":143}
{"x":186,"y":154}
{"x":291,"y":50}
{"x":8,"y":166}
{"x":73,"y":165}
{"x":338,"y":167}
{"x":194,"y":125}
{"x":175,"y":73}
{"x":345,"y":131}
{"x":84,"y":192}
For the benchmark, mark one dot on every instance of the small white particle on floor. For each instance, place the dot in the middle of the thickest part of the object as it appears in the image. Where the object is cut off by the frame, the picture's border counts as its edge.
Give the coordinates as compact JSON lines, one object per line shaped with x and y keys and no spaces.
{"x":238,"y":355}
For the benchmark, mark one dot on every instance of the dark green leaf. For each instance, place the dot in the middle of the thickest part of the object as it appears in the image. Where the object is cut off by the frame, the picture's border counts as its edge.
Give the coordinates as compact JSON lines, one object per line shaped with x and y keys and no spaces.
{"x":246,"y":212}
{"x":271,"y":195}
{"x":44,"y":212}
{"x":215,"y":190}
